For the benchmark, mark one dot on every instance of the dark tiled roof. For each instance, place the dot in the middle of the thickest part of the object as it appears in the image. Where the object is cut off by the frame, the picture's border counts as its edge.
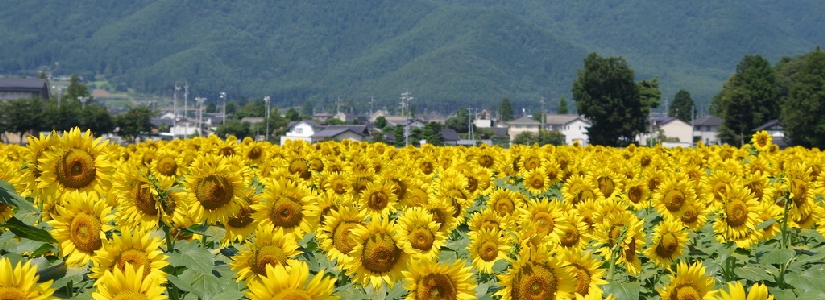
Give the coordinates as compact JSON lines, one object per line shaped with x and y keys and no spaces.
{"x":333,"y":132}
{"x":449,"y":134}
{"x":768,"y":125}
{"x":708,"y":121}
{"x":23,"y":83}
{"x":659,"y":121}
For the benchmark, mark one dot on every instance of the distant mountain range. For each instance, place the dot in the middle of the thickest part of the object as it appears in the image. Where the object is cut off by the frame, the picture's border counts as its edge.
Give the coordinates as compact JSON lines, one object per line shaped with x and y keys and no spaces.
{"x":447,"y":53}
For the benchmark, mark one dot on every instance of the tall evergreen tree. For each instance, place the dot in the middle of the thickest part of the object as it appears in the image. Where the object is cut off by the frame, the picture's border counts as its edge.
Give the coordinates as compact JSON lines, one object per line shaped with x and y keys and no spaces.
{"x":398,"y":136}
{"x":682,"y":107}
{"x":505,"y":110}
{"x":748,"y":99}
{"x":605,"y":93}
{"x":563,"y":106}
{"x":802,"y":111}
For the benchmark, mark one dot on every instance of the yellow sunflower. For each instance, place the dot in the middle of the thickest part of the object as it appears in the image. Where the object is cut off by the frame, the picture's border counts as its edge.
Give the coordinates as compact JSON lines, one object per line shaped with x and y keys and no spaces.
{"x":286,"y":204}
{"x":335,"y":237}
{"x":537,"y":276}
{"x":672,"y":195}
{"x":428,"y":279}
{"x":487,"y":246}
{"x":271,"y":246}
{"x":241,"y":225}
{"x":214,"y":188}
{"x":586,"y":270}
{"x":544,"y":215}
{"x":762,"y":141}
{"x":280,"y":283}
{"x":138,"y":249}
{"x":418,"y":234}
{"x":378,"y":256}
{"x":129,"y":283}
{"x":606,"y":180}
{"x":21,"y":282}
{"x":689,"y":282}
{"x":137,"y":200}
{"x":576,"y":189}
{"x":488,"y":219}
{"x":573,"y":233}
{"x":715,"y":187}
{"x":536,"y":181}
{"x":737,"y":219}
{"x":38,"y":147}
{"x":78,"y":163}
{"x":637,"y":194}
{"x":335,"y":182}
{"x":167,"y":166}
{"x":608,"y":231}
{"x":694,"y":215}
{"x":667,"y":244}
{"x":378,"y":200}
{"x":736,"y":291}
{"x":80,"y":226}
{"x":505,"y":202}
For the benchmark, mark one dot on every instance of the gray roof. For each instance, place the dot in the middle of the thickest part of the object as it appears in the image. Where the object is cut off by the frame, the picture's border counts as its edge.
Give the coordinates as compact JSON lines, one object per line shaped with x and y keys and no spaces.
{"x":159,"y":121}
{"x":659,"y":121}
{"x":359,"y":129}
{"x":556,"y":119}
{"x":708,"y":121}
{"x":333,"y":132}
{"x":26,"y":85}
{"x":524,"y":120}
{"x":500,"y":131}
{"x":310,"y":122}
{"x":449,"y":134}
{"x":768,"y":125}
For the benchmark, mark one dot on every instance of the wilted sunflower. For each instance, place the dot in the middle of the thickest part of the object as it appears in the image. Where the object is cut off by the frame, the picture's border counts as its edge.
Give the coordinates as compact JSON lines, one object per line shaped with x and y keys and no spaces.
{"x":737,"y":218}
{"x":487,"y":246}
{"x":736,"y":291}
{"x":129,"y":283}
{"x":378,"y":200}
{"x":537,"y":276}
{"x":270,"y":247}
{"x":667,"y":244}
{"x":80,"y":226}
{"x":78,"y":163}
{"x":21,"y":282}
{"x":280,"y":283}
{"x":689,"y":282}
{"x":762,"y":141}
{"x":335,"y":237}
{"x":286,"y":204}
{"x":418,"y":234}
{"x":586,"y":271}
{"x":138,"y":249}
{"x":214,"y":188}
{"x":428,"y":279}
{"x":378,"y":257}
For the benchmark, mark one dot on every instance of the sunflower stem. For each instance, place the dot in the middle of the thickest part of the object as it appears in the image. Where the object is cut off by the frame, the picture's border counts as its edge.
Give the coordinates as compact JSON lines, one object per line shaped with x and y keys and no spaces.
{"x":614,"y":254}
{"x":784,"y":244}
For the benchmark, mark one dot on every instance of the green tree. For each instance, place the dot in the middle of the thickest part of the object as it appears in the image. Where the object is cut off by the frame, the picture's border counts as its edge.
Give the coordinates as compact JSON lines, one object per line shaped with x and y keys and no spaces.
{"x":292,"y":114}
{"x":380,"y":122}
{"x":96,"y":118}
{"x":460,"y":123}
{"x":22,"y":115}
{"x":605,"y":93}
{"x":62,"y":117}
{"x":563,"y":106}
{"x":682,"y":107}
{"x":307,"y":110}
{"x":526,"y":138}
{"x":802,"y":111}
{"x":334,"y":121}
{"x":748,"y":99}
{"x":234,"y":127}
{"x":76,"y":89}
{"x":251,"y":109}
{"x":551,"y":137}
{"x":650,"y":96}
{"x":211,"y":108}
{"x":134,"y":121}
{"x":505,"y":110}
{"x":416,"y":135}
{"x":432,"y":133}
{"x":398,"y":135}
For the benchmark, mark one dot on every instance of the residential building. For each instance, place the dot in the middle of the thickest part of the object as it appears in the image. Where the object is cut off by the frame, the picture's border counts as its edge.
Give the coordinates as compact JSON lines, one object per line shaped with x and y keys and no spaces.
{"x":312,"y":132}
{"x":18,"y":88}
{"x":321,"y":117}
{"x":523,"y":124}
{"x":449,"y":136}
{"x":346,"y":117}
{"x":574,"y":127}
{"x":776,"y":131}
{"x":705,"y":129}
{"x":667,"y":129}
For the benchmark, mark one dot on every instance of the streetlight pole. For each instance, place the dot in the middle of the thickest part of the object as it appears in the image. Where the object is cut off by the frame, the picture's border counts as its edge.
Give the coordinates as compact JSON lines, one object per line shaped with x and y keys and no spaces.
{"x":267,"y":117}
{"x":223,"y":97}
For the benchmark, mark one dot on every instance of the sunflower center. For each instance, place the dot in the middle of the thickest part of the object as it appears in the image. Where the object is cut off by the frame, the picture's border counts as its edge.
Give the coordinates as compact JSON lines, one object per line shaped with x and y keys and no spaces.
{"x":757,"y":189}
{"x":242,"y":219}
{"x":167,"y":166}
{"x":286,"y":213}
{"x":488,"y":250}
{"x":300,"y":167}
{"x":12,"y":293}
{"x":436,"y":287}
{"x":422,"y":239}
{"x":489,"y":224}
{"x":255,"y":153}
{"x":690,"y":215}
{"x":653,"y":183}
{"x":339,"y":187}
{"x":635,"y":194}
{"x":685,"y":292}
{"x":360,"y":184}
{"x":472,"y":184}
{"x":799,"y":190}
{"x":582,"y":276}
{"x":736,"y":213}
{"x":761,"y":140}
{"x":292,"y":294}
{"x":674,"y":199}
{"x":399,"y":188}
{"x":214,"y":191}
{"x":531,"y":163}
{"x":76,"y":169}
{"x":85,"y":233}
{"x":129,"y":295}
{"x":342,"y":237}
{"x":145,"y":200}
{"x":571,"y":237}
{"x":380,"y":253}
{"x":668,"y":245}
{"x":267,"y":255}
{"x":438,"y":217}
{"x":378,"y":200}
{"x":584,"y":195}
{"x":537,"y":182}
{"x":136,"y":258}
{"x":535,"y":281}
{"x":505,"y":207}
{"x":606,"y":185}
{"x":226,"y":151}
{"x":486,"y":160}
{"x":544,"y":222}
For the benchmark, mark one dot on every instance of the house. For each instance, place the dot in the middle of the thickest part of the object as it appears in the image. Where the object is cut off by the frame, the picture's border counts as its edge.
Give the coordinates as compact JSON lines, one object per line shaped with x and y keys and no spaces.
{"x":523,"y":124}
{"x":776,"y":131}
{"x":301,"y":130}
{"x":449,"y":136}
{"x":346,"y":117}
{"x":321,"y":117}
{"x":706,"y":128}
{"x":574,"y":127}
{"x":671,"y":129}
{"x":312,"y":132}
{"x":19,"y":88}
{"x":483,"y":120}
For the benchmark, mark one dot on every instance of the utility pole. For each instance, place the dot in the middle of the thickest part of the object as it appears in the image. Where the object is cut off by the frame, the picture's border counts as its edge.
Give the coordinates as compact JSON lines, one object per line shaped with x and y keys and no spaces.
{"x":470,"y":123}
{"x":223,"y":97}
{"x":543,"y":115}
{"x":372,"y":102}
{"x":267,"y":117}
{"x":200,"y":101}
{"x":175,"y":108}
{"x":186,"y":107}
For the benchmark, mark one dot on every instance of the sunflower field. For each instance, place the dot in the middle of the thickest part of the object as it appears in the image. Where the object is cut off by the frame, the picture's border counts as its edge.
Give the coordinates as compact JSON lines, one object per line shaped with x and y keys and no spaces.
{"x":206,"y":218}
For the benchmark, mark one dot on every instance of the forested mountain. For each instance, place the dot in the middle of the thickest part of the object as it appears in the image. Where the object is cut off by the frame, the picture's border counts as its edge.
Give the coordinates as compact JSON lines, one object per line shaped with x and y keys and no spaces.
{"x":448,"y":53}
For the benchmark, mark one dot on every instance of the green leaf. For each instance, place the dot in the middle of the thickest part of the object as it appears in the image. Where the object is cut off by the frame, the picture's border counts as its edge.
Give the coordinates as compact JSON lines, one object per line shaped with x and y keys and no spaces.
{"x":23,"y":230}
{"x":777,"y":257}
{"x":811,"y":295}
{"x":351,"y":291}
{"x":753,"y":273}
{"x":623,"y":290}
{"x":765,"y":224}
{"x":192,"y":256}
{"x":73,"y":274}
{"x":8,"y":195}
{"x":204,"y":285}
{"x":52,"y":273}
{"x":808,"y":280}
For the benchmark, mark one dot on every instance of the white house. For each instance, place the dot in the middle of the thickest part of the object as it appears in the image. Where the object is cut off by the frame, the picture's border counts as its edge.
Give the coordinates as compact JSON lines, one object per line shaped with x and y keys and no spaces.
{"x":301,"y":130}
{"x":574,"y":127}
{"x":777,"y":132}
{"x":523,"y":124}
{"x":706,"y":128}
{"x":673,"y":129}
